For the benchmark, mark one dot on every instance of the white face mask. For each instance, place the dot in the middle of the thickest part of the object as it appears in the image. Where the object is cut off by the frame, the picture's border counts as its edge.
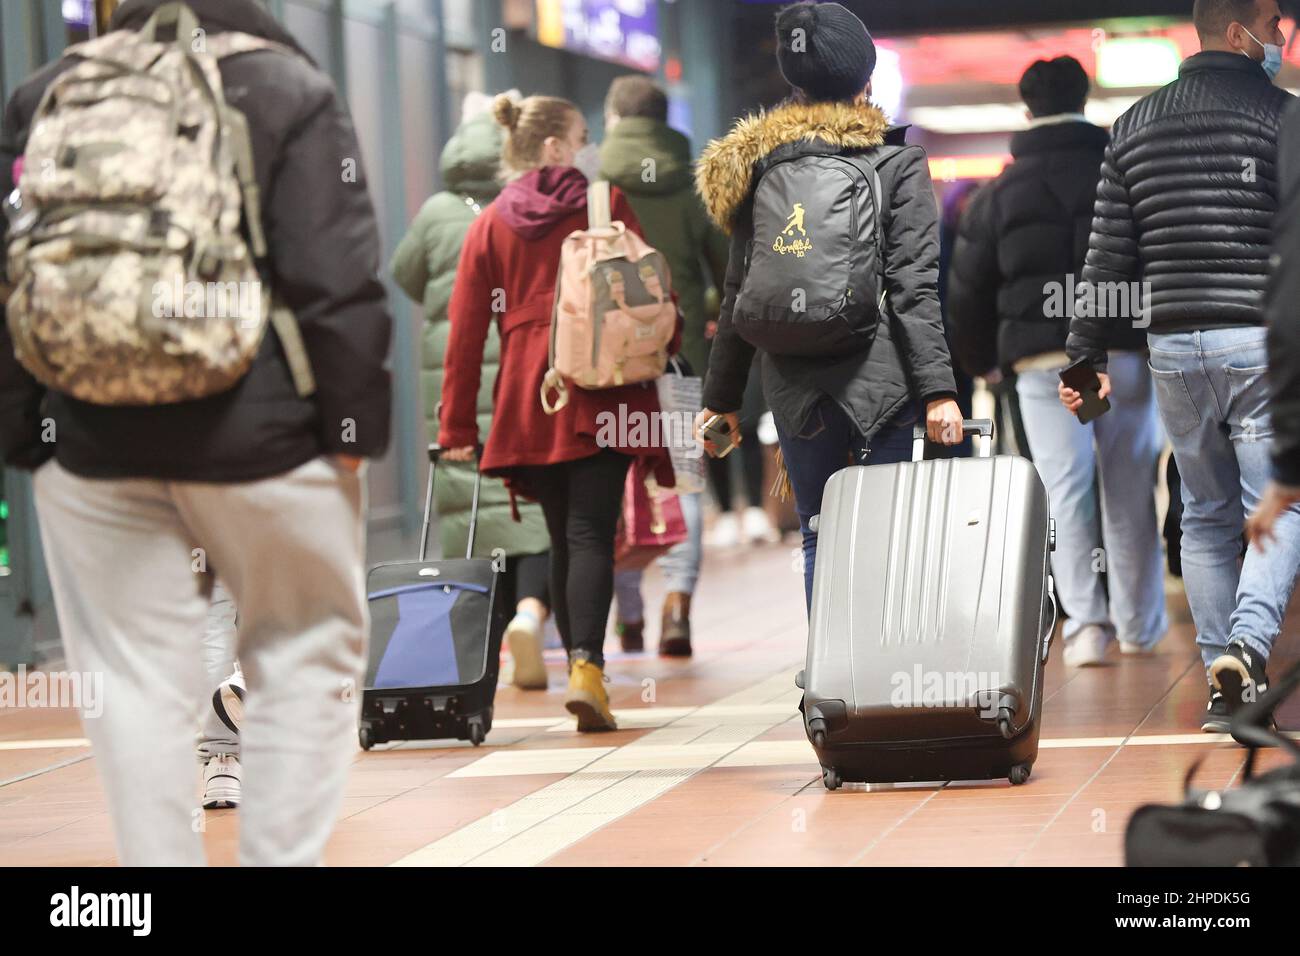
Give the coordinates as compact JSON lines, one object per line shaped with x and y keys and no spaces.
{"x":587,"y":161}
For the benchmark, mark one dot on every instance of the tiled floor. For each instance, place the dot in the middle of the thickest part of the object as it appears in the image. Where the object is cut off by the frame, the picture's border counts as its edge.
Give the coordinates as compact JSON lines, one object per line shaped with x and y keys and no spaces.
{"x":711,"y":766}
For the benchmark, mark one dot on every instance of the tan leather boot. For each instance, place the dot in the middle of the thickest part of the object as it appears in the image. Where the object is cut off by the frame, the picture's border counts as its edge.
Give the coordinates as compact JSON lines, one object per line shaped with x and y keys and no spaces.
{"x":675,"y":627}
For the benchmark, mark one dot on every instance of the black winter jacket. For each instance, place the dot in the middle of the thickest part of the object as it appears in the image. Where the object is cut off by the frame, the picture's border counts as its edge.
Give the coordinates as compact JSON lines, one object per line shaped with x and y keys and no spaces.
{"x":1021,"y":246}
{"x":909,"y":357}
{"x":1186,"y":201}
{"x":1283,"y":317}
{"x":324,"y":258}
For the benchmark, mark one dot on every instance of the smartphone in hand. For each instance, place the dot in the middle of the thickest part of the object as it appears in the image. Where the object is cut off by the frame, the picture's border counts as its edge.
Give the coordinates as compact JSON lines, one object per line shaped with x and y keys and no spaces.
{"x":1082,"y":377}
{"x":715,"y":430}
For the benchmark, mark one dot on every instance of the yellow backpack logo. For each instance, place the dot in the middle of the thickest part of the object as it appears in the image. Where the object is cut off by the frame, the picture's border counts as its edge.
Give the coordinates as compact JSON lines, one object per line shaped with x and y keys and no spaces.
{"x":801,"y":246}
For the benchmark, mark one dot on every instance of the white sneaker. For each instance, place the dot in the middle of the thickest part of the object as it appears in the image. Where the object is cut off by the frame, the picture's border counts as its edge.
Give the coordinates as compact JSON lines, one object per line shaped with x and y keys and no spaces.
{"x":524,"y":638}
{"x":228,"y":700}
{"x":758,"y":529}
{"x":1088,"y":647}
{"x":726,"y":531}
{"x":221,"y":787}
{"x":1132,"y":649}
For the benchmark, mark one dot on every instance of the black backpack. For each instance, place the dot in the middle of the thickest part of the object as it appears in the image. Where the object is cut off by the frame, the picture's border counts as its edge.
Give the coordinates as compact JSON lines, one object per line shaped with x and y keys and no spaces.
{"x":814,"y":271}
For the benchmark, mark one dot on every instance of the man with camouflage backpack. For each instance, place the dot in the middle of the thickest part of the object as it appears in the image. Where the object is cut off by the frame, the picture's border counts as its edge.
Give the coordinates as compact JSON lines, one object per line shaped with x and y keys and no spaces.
{"x":196,"y":318}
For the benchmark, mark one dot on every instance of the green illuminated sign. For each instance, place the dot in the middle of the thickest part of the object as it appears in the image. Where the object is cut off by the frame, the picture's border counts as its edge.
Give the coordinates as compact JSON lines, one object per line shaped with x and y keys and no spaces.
{"x":1137,"y":61}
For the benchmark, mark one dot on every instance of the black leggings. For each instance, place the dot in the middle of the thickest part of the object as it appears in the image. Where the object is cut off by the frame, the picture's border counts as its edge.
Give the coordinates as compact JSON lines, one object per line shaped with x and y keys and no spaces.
{"x":750,"y":456}
{"x":582,"y":501}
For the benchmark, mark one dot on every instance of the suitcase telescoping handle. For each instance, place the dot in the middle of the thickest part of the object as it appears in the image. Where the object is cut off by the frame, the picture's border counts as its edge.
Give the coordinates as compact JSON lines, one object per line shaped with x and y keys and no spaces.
{"x":435,"y":453}
{"x":969,"y":426}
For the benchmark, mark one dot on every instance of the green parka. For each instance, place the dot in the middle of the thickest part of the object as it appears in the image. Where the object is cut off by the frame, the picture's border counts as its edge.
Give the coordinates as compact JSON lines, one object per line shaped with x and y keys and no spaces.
{"x":651,"y":163}
{"x":424,"y":265}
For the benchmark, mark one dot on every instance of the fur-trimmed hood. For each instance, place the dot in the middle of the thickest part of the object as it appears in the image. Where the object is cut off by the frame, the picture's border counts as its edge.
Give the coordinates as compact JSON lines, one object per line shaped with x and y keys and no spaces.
{"x":725,"y":170}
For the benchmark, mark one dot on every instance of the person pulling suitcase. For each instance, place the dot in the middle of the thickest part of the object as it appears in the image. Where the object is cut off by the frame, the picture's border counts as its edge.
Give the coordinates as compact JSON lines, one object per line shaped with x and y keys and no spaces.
{"x":833,"y":275}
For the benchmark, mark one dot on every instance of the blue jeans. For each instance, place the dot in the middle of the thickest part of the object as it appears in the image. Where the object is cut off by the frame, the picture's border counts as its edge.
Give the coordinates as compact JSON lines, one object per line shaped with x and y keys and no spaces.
{"x":1212,"y":391}
{"x":680,"y":566}
{"x":1118,"y":533}
{"x":829,"y":442}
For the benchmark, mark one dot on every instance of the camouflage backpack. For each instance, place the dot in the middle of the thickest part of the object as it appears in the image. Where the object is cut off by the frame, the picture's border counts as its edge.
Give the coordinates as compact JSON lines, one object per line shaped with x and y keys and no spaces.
{"x":133,"y":282}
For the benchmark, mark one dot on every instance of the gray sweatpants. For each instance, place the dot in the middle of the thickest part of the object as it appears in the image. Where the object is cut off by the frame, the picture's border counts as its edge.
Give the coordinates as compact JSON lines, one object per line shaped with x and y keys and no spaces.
{"x":131,"y":564}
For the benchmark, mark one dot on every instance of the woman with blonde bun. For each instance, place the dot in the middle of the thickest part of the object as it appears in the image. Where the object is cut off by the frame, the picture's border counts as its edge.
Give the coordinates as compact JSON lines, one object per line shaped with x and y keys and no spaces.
{"x":507,"y":275}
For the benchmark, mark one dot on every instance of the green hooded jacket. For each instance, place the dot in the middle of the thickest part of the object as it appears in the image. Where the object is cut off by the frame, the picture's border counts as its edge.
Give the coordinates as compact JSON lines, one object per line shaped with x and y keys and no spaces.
{"x":651,"y":162}
{"x":424,"y":265}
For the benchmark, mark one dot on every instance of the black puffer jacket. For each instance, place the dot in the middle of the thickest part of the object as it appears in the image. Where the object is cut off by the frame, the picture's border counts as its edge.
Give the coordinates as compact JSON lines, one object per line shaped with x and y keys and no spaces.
{"x":324,"y":258}
{"x":909,"y":357}
{"x":1186,"y":201}
{"x":1283,"y":318}
{"x":1020,"y":241}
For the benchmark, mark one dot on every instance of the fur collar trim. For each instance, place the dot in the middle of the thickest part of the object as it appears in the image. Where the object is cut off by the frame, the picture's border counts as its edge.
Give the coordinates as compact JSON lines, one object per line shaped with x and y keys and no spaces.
{"x":723,"y":174}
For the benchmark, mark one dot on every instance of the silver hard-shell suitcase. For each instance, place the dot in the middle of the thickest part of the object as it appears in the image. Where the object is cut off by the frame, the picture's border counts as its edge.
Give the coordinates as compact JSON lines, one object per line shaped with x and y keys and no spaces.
{"x":932,"y":614}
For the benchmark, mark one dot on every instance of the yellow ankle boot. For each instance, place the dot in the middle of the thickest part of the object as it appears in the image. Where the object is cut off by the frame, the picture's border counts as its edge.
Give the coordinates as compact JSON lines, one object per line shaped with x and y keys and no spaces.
{"x":587,"y":699}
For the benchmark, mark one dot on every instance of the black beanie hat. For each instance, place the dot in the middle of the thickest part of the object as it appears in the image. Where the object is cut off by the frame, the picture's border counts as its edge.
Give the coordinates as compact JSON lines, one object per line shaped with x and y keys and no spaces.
{"x":834,"y":56}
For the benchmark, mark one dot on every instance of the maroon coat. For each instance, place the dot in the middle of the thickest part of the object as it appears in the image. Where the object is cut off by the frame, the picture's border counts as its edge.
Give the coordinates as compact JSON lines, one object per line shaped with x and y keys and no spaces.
{"x":510,"y":259}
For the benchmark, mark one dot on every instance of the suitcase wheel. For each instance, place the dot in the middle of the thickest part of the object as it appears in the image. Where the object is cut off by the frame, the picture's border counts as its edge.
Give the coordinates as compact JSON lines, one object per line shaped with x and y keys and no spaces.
{"x":831,"y":778}
{"x":817,"y":731}
{"x":364,"y":738}
{"x":476,"y":734}
{"x":1019,"y":774}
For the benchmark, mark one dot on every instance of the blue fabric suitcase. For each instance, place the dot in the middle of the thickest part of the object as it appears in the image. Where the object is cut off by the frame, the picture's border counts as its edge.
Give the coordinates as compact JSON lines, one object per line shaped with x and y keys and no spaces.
{"x":435,"y":642}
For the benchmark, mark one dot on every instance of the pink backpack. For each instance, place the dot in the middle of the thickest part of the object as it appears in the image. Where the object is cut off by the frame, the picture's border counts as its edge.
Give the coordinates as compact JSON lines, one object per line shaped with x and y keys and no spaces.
{"x":614,"y":315}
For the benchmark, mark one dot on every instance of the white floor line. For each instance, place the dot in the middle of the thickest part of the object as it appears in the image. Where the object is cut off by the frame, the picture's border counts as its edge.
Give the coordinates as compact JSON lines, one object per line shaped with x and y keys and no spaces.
{"x":511,"y":763}
{"x":1160,"y":740}
{"x":618,"y":781}
{"x":53,"y":743}
{"x":685,"y":749}
{"x":506,"y":723}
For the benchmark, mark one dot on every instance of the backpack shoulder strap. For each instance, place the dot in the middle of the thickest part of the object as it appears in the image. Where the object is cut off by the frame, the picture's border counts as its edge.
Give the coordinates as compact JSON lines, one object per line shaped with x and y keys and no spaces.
{"x":222,"y":46}
{"x":231,"y":43}
{"x":295,"y":349}
{"x":174,"y":16}
{"x":871,"y":163}
{"x":598,"y":204}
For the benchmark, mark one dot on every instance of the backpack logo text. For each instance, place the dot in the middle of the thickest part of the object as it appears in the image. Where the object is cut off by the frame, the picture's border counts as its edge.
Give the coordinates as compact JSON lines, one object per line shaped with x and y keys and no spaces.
{"x":800,"y":247}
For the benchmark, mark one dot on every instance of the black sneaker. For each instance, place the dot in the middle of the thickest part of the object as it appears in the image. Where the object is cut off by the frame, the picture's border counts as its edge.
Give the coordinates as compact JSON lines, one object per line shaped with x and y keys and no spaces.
{"x":1217,"y":718}
{"x":1238,"y":674}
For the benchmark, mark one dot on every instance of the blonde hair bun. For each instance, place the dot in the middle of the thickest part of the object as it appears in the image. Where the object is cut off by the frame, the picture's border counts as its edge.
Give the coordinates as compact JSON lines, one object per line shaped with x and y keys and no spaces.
{"x":506,"y":111}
